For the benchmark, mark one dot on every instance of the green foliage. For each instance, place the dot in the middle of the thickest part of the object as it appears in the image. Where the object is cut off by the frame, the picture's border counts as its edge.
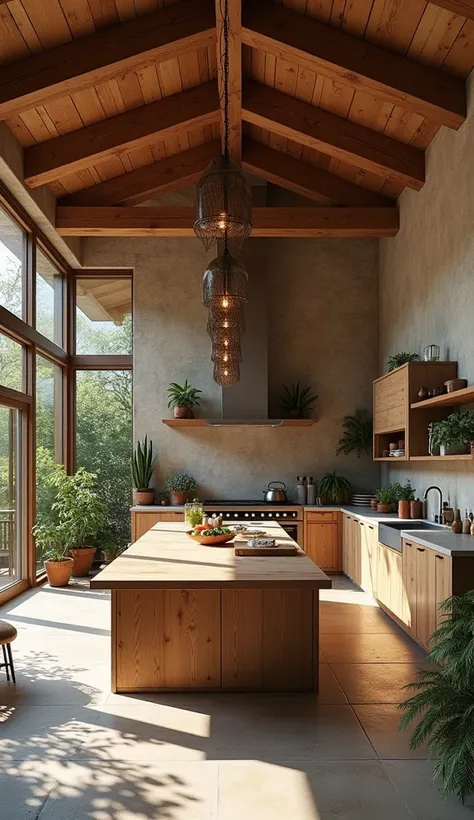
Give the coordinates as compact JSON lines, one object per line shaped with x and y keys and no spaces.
{"x":401,"y":358}
{"x":113,"y":550}
{"x":444,"y":699}
{"x":357,"y":435}
{"x":405,"y":492}
{"x":181,"y":483}
{"x":51,"y":540}
{"x":334,"y":488}
{"x":387,"y":495}
{"x":142,"y":464}
{"x":298,"y":399}
{"x":183,"y":395}
{"x":457,"y":428}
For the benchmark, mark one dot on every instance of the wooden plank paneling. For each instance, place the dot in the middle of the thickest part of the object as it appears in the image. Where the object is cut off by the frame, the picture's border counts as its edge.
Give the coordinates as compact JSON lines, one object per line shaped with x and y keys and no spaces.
{"x":463,"y":7}
{"x":106,"y":55}
{"x":234,"y":74}
{"x":242,"y":639}
{"x":288,"y":642}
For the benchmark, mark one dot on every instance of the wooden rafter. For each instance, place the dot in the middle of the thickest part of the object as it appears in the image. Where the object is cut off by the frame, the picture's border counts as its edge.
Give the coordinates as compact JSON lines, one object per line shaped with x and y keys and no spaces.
{"x":150,"y":180}
{"x":193,"y":108}
{"x":235,"y":74}
{"x":305,"y":179}
{"x":332,"y":53}
{"x":266,"y":222}
{"x":338,"y":137}
{"x":463,"y":7}
{"x":155,"y":37}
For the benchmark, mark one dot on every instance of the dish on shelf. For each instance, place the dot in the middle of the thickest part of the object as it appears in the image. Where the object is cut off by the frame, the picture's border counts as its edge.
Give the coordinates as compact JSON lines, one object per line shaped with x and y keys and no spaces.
{"x":211,"y":540}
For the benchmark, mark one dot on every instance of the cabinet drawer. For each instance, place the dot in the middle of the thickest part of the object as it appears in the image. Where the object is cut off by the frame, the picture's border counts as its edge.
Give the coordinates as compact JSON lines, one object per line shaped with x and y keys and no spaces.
{"x":321,"y":517}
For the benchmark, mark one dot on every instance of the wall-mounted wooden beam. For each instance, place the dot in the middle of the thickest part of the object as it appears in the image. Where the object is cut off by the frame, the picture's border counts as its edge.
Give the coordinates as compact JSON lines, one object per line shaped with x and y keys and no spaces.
{"x":266,"y":222}
{"x":235,"y":74}
{"x":155,"y":37}
{"x":150,"y":180}
{"x":338,"y":137}
{"x":463,"y":7}
{"x":332,"y":53}
{"x":305,"y":179}
{"x":192,"y":108}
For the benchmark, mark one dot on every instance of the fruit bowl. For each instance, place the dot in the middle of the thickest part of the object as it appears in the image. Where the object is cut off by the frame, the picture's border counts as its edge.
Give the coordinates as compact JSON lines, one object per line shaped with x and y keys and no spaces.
{"x":211,"y":540}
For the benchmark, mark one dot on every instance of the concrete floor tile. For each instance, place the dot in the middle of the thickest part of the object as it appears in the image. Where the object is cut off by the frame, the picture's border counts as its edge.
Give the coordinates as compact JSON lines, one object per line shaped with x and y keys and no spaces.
{"x":352,"y":621}
{"x":412,"y":779}
{"x":375,"y":682}
{"x":370,"y":648}
{"x":381,"y":722}
{"x":329,"y":690}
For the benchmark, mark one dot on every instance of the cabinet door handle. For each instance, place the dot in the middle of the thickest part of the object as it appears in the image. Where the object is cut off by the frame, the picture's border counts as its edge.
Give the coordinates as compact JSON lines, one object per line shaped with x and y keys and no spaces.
{"x":408,"y":543}
{"x":370,"y":527}
{"x":439,"y":557}
{"x":420,"y":549}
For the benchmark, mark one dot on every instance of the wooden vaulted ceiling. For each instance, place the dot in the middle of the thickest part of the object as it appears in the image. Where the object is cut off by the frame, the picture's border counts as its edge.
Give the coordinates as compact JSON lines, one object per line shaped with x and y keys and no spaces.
{"x":116,"y":101}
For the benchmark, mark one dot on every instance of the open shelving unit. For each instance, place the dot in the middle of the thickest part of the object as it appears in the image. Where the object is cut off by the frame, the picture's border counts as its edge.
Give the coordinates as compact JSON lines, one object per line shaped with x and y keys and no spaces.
{"x":455,"y":399}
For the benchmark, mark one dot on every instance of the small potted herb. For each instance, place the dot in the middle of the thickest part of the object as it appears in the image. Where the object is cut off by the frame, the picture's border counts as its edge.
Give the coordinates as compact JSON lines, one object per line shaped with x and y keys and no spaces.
{"x":334,"y":489}
{"x":405,"y":494}
{"x":182,"y":398}
{"x":112,"y":551}
{"x":453,"y":434}
{"x":386,"y":497}
{"x":401,"y":358}
{"x":180,"y":485}
{"x":50,"y":538}
{"x":142,"y":472}
{"x":298,"y":400}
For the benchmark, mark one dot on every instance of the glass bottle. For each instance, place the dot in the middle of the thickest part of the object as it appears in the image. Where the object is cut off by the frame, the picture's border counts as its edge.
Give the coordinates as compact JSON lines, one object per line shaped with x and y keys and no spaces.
{"x":193,"y":512}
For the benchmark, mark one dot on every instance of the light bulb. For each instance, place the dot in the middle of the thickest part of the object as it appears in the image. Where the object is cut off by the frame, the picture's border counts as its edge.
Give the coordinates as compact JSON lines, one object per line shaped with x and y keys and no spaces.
{"x":226,"y":342}
{"x":225,"y":302}
{"x":222,"y":224}
{"x":226,"y":372}
{"x":226,"y":358}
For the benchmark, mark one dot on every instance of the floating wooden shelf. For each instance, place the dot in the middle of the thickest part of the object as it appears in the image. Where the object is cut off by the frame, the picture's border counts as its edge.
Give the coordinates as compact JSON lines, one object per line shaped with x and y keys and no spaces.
{"x":245,"y":422}
{"x":464,"y":396}
{"x":391,"y":458}
{"x":466,"y":457}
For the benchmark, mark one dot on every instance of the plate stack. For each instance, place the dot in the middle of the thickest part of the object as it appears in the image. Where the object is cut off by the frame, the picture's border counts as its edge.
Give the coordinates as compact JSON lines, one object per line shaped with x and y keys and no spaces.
{"x":361,"y":499}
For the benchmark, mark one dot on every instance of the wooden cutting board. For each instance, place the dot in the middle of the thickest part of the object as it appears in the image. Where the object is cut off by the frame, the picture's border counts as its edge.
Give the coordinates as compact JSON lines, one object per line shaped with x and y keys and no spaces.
{"x":244,"y":549}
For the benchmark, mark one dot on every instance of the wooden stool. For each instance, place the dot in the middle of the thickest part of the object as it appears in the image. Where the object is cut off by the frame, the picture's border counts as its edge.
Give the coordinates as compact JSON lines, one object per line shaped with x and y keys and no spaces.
{"x":7,"y":635}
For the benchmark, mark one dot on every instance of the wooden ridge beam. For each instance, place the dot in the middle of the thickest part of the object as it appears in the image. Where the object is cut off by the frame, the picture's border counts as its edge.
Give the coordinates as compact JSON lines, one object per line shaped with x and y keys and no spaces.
{"x":363,"y":65}
{"x":235,"y":74}
{"x":150,"y":180}
{"x":266,"y":222}
{"x":162,"y":35}
{"x":333,"y":135}
{"x":465,"y":8}
{"x":193,"y":108}
{"x":305,"y":179}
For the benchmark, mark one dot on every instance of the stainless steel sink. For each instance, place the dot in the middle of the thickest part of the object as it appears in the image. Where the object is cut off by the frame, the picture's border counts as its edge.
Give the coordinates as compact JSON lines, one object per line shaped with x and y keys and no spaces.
{"x":390,"y":531}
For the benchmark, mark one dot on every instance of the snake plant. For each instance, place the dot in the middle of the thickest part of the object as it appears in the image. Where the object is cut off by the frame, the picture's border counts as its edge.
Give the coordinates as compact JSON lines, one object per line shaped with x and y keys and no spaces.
{"x":142,"y":464}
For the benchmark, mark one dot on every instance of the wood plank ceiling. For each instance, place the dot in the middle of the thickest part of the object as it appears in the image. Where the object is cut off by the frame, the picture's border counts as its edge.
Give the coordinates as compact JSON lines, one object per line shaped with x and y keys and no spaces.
{"x":114,"y":100}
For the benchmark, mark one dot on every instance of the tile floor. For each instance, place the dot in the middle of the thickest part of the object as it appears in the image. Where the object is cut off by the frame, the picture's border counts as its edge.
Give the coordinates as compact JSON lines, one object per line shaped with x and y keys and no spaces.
{"x":70,"y":750}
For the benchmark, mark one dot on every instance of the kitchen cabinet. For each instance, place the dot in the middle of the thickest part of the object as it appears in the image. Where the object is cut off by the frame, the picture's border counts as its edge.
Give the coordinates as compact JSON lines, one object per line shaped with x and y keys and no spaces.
{"x":368,"y":557}
{"x":321,"y":541}
{"x":427,"y":580}
{"x":443,"y":573}
{"x":144,"y":521}
{"x":390,"y":580}
{"x":351,"y":547}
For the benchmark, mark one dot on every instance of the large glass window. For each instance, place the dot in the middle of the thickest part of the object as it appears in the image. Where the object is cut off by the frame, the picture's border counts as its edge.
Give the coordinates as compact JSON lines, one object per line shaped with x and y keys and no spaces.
{"x":12,"y":262}
{"x":104,"y":444}
{"x":11,"y":363}
{"x":10,"y":497}
{"x":49,"y":298}
{"x":49,"y":436}
{"x":103,"y":316}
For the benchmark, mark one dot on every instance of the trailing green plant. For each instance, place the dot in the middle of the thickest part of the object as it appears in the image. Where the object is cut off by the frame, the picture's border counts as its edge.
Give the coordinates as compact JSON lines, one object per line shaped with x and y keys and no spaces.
{"x":183,"y":395}
{"x":298,"y":399}
{"x":334,"y":488}
{"x":401,"y":358}
{"x":142,"y":464}
{"x":444,"y":699}
{"x":357,"y":435}
{"x":181,"y":483}
{"x":457,"y":428}
{"x":387,"y":495}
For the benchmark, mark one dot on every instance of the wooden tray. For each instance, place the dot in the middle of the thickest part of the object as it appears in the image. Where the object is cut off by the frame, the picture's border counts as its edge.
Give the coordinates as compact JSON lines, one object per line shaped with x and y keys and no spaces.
{"x":244,"y":549}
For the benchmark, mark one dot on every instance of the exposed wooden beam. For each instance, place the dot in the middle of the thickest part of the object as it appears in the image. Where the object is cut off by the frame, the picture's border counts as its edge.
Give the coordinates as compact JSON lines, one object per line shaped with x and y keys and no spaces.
{"x":235,"y":73}
{"x":77,"y":150}
{"x":338,"y":137}
{"x":155,"y":37}
{"x":332,"y":53}
{"x":305,"y":179}
{"x":463,"y":7}
{"x":150,"y":180}
{"x":266,"y":222}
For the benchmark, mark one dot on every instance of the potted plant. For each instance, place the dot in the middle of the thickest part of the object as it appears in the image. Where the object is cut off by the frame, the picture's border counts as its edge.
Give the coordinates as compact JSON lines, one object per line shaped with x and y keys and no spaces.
{"x":386,"y":497}
{"x":180,"y":485}
{"x":58,"y":565}
{"x":357,"y":435}
{"x":405,"y":494}
{"x":182,"y":398}
{"x":298,"y":400}
{"x":112,"y":551}
{"x":443,"y":705}
{"x":401,"y":358}
{"x":334,"y":489}
{"x":80,"y":514}
{"x":142,"y":471}
{"x":454,"y":433}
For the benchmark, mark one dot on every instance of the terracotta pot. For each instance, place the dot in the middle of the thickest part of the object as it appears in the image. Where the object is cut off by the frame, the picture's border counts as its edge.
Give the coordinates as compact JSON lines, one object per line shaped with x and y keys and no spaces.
{"x":373,"y":503}
{"x":403,"y":509}
{"x":144,"y":497}
{"x":83,"y":558}
{"x":58,"y":572}
{"x":181,"y":412}
{"x":384,"y":508}
{"x":178,"y":499}
{"x":416,"y":509}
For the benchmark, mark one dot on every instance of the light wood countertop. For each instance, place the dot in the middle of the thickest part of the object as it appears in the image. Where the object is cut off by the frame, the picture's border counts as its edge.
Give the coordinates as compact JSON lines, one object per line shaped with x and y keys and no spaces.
{"x":165,"y":558}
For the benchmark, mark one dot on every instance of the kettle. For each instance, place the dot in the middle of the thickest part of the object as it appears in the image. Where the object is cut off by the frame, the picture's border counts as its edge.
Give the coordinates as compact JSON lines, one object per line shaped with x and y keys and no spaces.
{"x":276,"y":495}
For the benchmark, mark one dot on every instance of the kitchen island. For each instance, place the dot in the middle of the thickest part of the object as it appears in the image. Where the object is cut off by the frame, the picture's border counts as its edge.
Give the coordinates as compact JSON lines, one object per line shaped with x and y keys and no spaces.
{"x":189,"y":617}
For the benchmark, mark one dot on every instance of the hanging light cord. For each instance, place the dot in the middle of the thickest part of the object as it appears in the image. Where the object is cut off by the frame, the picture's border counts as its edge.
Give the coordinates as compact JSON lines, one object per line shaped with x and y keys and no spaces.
{"x":224,"y":58}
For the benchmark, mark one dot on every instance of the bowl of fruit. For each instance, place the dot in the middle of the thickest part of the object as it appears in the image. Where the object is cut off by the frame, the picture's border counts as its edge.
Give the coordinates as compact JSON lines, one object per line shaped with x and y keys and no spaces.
{"x":210,"y":536}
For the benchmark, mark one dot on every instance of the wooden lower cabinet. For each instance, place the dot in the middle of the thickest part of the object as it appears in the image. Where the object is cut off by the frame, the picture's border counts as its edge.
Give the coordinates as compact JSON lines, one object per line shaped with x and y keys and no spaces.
{"x":322,"y":544}
{"x":144,"y":521}
{"x":427,"y":580}
{"x":368,"y":557}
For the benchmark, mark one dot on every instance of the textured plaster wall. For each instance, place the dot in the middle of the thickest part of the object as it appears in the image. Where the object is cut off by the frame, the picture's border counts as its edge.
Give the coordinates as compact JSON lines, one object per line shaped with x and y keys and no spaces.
{"x":322,"y":314}
{"x":427,"y":281}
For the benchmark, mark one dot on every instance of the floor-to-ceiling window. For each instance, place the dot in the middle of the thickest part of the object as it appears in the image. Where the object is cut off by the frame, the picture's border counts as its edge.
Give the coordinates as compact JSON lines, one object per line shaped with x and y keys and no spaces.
{"x":11,"y":495}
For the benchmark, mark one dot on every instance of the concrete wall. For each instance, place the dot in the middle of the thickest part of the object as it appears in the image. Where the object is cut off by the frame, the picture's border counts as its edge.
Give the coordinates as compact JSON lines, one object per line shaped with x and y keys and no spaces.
{"x":427,"y":282}
{"x":322,"y":311}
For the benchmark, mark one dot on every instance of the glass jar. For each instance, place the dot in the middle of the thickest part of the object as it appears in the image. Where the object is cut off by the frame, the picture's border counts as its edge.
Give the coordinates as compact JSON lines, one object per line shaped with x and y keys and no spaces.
{"x":431,"y":353}
{"x":193,"y":512}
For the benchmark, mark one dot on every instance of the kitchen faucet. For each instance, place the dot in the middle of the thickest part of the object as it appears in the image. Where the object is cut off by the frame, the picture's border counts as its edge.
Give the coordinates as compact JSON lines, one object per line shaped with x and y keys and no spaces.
{"x":437,"y":518}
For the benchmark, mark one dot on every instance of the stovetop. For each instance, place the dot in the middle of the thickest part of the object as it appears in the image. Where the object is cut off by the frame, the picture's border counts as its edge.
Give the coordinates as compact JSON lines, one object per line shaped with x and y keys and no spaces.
{"x":224,"y":502}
